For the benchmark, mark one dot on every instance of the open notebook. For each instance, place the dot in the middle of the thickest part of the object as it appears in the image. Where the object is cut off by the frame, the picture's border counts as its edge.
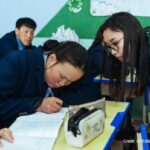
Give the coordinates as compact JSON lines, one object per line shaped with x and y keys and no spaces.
{"x":37,"y":131}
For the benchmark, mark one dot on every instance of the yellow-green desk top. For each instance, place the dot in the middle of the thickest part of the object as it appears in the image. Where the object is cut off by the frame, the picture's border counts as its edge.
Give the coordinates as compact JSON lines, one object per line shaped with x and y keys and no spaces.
{"x":115,"y":113}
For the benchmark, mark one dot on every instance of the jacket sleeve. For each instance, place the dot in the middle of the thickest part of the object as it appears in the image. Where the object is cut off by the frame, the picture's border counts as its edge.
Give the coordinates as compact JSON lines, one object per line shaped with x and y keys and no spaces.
{"x":14,"y":107}
{"x":10,"y":75}
{"x":5,"y":48}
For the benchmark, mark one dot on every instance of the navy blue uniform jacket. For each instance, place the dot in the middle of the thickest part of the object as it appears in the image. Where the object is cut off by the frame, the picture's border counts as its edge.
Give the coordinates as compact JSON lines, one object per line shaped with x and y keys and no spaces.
{"x":9,"y":43}
{"x":22,"y":86}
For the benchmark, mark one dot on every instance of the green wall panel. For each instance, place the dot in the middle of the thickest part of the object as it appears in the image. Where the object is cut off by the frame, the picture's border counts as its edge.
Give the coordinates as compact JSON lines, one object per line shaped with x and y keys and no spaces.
{"x":83,"y":22}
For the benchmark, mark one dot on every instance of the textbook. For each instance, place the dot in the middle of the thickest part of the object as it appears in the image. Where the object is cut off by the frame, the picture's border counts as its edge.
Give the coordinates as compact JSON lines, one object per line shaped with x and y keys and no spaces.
{"x":35,"y":132}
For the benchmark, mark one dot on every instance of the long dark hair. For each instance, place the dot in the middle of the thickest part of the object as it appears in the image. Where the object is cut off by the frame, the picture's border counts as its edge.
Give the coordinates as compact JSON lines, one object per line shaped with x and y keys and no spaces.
{"x":67,"y":51}
{"x":135,"y":52}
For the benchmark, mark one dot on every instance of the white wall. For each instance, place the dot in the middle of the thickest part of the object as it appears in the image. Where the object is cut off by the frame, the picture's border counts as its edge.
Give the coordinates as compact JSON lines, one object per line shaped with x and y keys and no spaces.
{"x":39,"y":10}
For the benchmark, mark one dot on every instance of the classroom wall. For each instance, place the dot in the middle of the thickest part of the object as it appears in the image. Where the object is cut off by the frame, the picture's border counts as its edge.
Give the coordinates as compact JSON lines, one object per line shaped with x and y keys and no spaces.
{"x":49,"y":15}
{"x":85,"y":24}
{"x":42,"y":11}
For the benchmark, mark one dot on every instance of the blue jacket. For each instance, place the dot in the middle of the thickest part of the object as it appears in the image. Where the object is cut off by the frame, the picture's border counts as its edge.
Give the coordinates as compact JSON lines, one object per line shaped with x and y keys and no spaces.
{"x":9,"y":43}
{"x":84,"y":90}
{"x":22,"y":86}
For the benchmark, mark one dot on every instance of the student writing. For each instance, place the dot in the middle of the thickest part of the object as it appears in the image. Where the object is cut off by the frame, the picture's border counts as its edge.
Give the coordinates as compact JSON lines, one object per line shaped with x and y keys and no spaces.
{"x":25,"y":77}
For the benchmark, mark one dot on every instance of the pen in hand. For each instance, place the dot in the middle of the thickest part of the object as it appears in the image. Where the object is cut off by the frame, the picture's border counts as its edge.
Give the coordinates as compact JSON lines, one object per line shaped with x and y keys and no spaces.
{"x":51,"y":92}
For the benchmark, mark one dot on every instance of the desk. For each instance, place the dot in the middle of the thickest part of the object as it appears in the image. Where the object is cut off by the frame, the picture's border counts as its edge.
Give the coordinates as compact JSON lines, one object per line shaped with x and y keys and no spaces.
{"x":115,"y":113}
{"x":105,"y":91}
{"x":144,"y":137}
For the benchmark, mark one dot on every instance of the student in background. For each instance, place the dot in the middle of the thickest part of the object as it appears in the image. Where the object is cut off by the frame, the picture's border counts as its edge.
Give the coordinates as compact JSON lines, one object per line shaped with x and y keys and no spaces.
{"x":6,"y":134}
{"x":125,"y":53}
{"x":25,"y":76}
{"x":19,"y":39}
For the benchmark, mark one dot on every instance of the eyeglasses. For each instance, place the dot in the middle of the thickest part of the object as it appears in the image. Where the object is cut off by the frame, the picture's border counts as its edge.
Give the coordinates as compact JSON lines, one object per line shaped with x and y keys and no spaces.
{"x":114,"y":47}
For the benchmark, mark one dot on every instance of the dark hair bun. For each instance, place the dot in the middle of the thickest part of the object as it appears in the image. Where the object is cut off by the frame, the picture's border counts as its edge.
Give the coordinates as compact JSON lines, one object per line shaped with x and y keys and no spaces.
{"x":50,"y":44}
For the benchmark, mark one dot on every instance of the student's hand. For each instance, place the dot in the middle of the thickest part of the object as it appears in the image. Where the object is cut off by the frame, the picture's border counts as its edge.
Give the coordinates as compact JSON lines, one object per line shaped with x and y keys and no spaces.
{"x":50,"y":105}
{"x":6,"y":134}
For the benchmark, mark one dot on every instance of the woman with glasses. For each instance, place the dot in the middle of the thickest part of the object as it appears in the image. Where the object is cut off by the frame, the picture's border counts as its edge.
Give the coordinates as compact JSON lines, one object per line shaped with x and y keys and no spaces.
{"x":26,"y":79}
{"x":126,"y":50}
{"x":125,"y":57}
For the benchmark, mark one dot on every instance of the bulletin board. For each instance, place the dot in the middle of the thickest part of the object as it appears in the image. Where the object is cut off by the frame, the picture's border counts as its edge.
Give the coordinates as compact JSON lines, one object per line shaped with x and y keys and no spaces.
{"x":83,"y":22}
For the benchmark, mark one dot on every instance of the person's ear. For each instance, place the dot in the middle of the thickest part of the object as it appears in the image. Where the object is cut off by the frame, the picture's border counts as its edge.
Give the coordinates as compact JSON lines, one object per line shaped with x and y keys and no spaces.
{"x":51,"y":60}
{"x":17,"y":31}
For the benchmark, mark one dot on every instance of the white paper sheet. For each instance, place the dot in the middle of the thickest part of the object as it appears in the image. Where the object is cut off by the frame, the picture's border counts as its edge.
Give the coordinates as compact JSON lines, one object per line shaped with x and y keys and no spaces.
{"x":108,"y":7}
{"x":35,"y":132}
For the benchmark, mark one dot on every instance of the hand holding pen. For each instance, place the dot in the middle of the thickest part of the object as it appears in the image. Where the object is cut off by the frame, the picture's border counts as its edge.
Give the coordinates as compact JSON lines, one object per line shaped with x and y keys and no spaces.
{"x":50,"y":105}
